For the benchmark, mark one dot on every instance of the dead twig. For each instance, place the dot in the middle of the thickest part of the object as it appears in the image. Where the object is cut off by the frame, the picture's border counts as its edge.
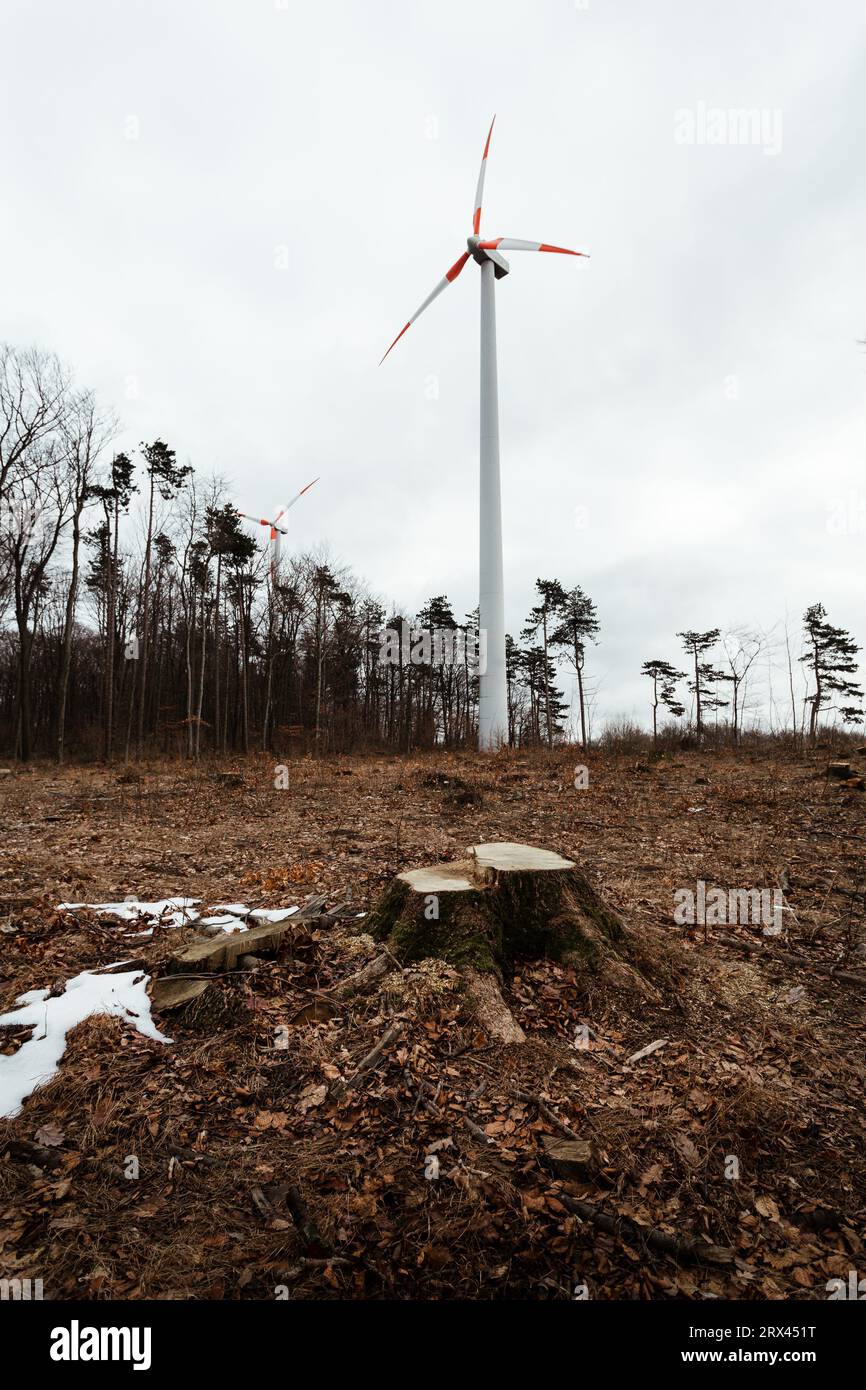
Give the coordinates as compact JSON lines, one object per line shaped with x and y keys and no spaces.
{"x":367,"y":1063}
{"x":544,"y":1109}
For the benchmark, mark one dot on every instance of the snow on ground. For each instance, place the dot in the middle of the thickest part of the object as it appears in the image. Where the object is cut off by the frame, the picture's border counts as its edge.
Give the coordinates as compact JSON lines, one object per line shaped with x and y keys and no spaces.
{"x":231,"y":917}
{"x":178,"y":912}
{"x":168,"y":912}
{"x":37,"y":1061}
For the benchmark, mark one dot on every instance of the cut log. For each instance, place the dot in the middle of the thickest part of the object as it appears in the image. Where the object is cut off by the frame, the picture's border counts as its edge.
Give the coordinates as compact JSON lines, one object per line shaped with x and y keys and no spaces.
{"x":169,"y":993}
{"x":223,"y":952}
{"x":840,"y":771}
{"x":572,"y":1158}
{"x":209,"y":954}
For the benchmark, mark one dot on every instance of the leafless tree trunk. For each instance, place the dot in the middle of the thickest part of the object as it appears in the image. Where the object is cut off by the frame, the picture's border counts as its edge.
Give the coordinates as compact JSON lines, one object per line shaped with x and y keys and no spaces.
{"x":144,"y":633}
{"x":86,"y":434}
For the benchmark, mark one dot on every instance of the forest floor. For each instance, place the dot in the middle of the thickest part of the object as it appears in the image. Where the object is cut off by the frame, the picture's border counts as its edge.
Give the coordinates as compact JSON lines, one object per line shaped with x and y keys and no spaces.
{"x":257,"y":1178}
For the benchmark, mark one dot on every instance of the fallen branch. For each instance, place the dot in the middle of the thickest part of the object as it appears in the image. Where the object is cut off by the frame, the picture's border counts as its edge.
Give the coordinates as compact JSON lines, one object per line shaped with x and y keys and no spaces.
{"x":363,"y":979}
{"x":849,"y":977}
{"x":544,"y":1109}
{"x":222,"y":953}
{"x":307,"y":1229}
{"x":688,"y":1248}
{"x":646,"y":1051}
{"x":476,"y":1131}
{"x":341,"y":1087}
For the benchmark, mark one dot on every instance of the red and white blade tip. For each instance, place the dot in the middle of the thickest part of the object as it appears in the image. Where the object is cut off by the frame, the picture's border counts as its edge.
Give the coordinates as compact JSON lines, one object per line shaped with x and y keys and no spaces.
{"x":443,"y":284}
{"x":479,"y":188}
{"x":297,"y":497}
{"x":506,"y":243}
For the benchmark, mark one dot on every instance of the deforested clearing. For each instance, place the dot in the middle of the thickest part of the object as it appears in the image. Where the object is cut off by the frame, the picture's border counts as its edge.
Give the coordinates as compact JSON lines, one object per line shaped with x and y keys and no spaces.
{"x":677,"y":1113}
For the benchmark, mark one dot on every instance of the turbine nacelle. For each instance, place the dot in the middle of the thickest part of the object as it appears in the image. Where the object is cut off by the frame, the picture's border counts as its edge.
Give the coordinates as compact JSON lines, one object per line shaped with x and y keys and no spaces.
{"x":482,"y":254}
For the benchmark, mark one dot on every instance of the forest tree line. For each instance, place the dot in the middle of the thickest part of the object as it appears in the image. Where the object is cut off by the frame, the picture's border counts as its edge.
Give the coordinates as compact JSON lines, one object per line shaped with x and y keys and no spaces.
{"x":138,"y":614}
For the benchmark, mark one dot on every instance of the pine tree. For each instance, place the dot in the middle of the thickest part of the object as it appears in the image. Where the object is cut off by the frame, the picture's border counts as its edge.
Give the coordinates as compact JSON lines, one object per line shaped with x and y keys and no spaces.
{"x":165,"y":477}
{"x":553,"y":598}
{"x":664,"y":678}
{"x":578,"y":624}
{"x":830,"y":659}
{"x":115,"y":494}
{"x":706,"y":676}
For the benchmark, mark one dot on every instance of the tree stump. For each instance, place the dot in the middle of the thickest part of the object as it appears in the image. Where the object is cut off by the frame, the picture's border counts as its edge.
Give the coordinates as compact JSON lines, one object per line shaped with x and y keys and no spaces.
{"x":501,"y":903}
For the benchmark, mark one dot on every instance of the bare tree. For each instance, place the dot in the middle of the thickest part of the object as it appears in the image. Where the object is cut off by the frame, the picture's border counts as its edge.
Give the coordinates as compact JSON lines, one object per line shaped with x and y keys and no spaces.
{"x":742,"y":647}
{"x":33,"y":392}
{"x":40,"y":504}
{"x":84,"y":434}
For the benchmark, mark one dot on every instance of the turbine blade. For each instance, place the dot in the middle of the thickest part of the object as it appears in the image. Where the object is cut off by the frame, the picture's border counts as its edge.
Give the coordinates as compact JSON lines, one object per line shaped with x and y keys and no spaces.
{"x":256,"y":520}
{"x":508,"y":243}
{"x":479,"y":190}
{"x":443,"y":284}
{"x":295,"y":499}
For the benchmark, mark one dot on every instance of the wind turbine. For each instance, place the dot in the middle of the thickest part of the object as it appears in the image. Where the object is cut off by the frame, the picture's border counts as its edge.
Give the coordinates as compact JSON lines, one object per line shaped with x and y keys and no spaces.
{"x":493,"y":699}
{"x":277,"y":531}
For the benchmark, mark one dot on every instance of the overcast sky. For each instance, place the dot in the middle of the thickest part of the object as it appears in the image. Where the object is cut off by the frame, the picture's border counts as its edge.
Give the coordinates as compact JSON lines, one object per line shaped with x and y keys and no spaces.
{"x":220,"y":212}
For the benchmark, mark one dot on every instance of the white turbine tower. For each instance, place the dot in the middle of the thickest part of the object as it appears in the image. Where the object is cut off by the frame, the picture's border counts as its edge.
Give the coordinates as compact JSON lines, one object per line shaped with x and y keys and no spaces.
{"x":277,"y":530}
{"x":493,"y":701}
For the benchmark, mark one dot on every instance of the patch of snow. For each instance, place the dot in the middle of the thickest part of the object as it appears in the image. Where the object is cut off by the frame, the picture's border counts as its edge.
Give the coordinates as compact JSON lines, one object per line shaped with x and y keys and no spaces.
{"x":178,"y":912}
{"x":225,"y":922}
{"x":37,"y":1061}
{"x":168,"y":912}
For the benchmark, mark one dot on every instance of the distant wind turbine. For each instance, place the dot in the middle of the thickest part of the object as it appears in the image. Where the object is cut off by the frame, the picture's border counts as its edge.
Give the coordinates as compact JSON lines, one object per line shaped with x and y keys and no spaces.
{"x":277,"y":527}
{"x":493,"y":699}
